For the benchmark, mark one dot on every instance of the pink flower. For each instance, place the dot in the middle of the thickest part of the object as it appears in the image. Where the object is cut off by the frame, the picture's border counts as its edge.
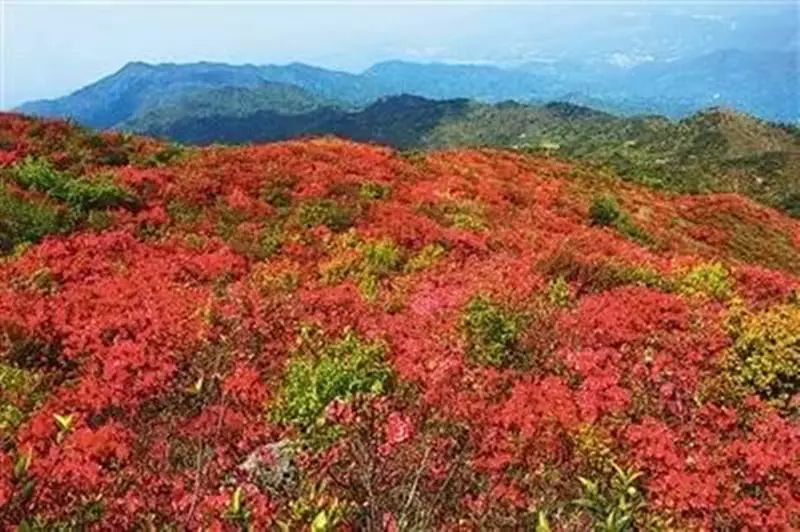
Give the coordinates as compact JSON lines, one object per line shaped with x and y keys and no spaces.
{"x":398,"y":429}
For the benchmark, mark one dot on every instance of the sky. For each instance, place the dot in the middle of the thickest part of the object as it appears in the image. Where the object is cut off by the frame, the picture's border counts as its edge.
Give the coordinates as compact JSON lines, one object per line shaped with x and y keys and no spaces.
{"x":51,"y":48}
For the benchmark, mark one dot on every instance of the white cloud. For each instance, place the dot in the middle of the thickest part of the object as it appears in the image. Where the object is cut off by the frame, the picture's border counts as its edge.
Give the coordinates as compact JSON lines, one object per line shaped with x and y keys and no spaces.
{"x":629,"y":60}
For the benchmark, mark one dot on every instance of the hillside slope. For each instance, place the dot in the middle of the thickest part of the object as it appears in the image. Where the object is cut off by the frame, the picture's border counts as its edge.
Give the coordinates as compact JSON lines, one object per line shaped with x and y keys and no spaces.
{"x":328,"y":332}
{"x":714,"y":150}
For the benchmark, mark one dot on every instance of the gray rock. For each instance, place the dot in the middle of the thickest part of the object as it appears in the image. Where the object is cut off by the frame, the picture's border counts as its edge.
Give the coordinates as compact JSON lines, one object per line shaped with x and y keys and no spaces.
{"x":270,"y":467}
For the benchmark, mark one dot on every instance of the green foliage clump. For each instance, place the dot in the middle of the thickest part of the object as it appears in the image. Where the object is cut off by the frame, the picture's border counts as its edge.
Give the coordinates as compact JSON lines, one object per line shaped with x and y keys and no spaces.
{"x":462,"y":214}
{"x":270,"y":240}
{"x":371,"y":190}
{"x":708,"y":279}
{"x":326,"y":212}
{"x":559,"y":293}
{"x":614,"y":504}
{"x":17,"y":394}
{"x":381,"y":257}
{"x":23,"y":220}
{"x":465,"y":215}
{"x":99,"y":220}
{"x":791,"y":204}
{"x":322,"y":371}
{"x":765,"y":356}
{"x":182,"y":212}
{"x":426,"y":257}
{"x":278,"y":193}
{"x":605,"y":211}
{"x":80,"y":194}
{"x":492,"y":332}
{"x":366,"y":262}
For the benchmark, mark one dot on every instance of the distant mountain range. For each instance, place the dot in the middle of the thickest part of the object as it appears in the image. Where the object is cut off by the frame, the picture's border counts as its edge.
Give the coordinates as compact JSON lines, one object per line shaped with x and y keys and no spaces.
{"x":762,"y":83}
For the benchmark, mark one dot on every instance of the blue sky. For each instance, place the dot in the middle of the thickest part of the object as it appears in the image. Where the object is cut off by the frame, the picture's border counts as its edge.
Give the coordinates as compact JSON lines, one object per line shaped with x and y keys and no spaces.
{"x":52,"y":48}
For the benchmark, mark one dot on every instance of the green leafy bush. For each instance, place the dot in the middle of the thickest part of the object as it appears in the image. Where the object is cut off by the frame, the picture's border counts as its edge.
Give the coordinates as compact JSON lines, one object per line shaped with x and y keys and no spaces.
{"x":589,"y":275}
{"x":99,"y":220}
{"x":370,"y":190}
{"x":765,"y":356}
{"x":604,"y":211}
{"x":367,"y":262}
{"x":322,"y":371}
{"x":381,"y":257}
{"x":426,"y":257}
{"x":613,"y":504}
{"x":791,"y":204}
{"x":708,"y":279}
{"x":463,"y":214}
{"x":79,"y":193}
{"x":559,"y":293}
{"x":492,"y":333}
{"x":278,"y":193}
{"x":270,"y":240}
{"x":17,"y":395}
{"x":23,"y":220}
{"x":182,"y":212}
{"x":326,"y":212}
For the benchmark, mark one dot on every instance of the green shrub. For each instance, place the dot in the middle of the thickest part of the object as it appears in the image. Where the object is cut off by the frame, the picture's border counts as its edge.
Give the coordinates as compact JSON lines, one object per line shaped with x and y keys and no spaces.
{"x":625,"y":226}
{"x":613,"y":504}
{"x":79,"y":193}
{"x":278,"y":193}
{"x":182,"y":212}
{"x":604,"y":210}
{"x":465,"y":215}
{"x":791,"y":204}
{"x":17,"y":395}
{"x":381,"y":257}
{"x":492,"y":332}
{"x":270,"y":240}
{"x":765,"y":356}
{"x":708,"y":279}
{"x":99,"y":220}
{"x":370,"y":190}
{"x":326,"y":212}
{"x":366,"y":262}
{"x":559,"y":293}
{"x":322,"y":371}
{"x":23,"y":220}
{"x":592,"y":275}
{"x":426,"y":257}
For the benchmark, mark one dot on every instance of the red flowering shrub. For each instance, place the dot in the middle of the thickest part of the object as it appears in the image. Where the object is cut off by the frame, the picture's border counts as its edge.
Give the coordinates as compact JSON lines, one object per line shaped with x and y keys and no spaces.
{"x":144,"y":351}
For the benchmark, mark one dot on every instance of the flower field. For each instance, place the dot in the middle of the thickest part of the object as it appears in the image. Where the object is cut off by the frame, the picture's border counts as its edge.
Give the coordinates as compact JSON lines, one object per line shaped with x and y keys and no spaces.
{"x":330,"y":335}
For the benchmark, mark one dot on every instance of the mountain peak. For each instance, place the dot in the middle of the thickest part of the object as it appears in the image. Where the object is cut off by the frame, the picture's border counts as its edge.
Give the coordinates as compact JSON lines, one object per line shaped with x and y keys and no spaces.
{"x":136,"y":66}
